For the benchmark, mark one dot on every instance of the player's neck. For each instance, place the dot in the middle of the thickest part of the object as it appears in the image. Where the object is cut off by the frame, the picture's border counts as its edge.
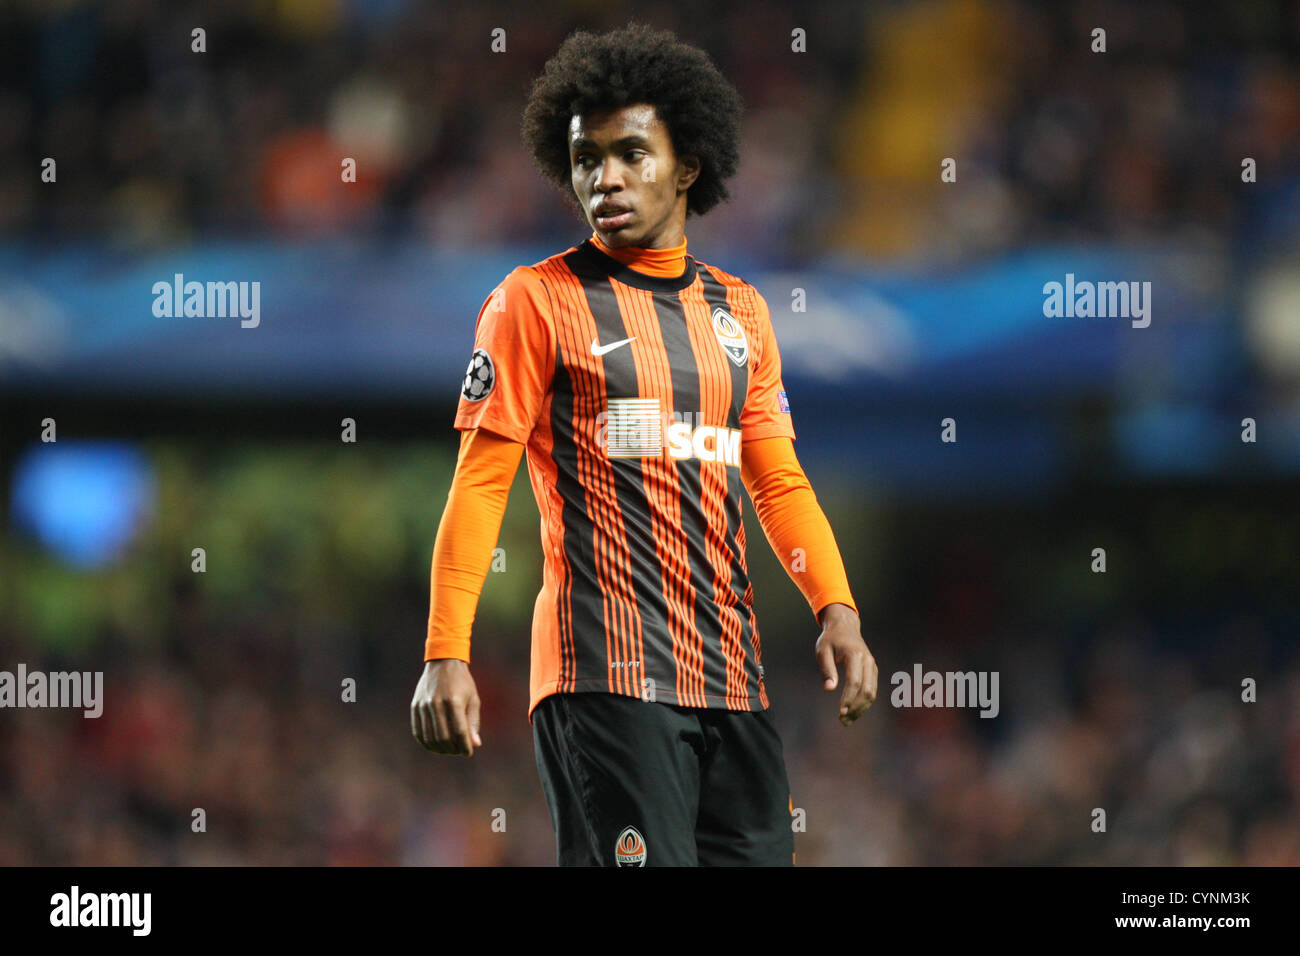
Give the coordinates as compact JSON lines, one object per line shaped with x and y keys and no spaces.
{"x":669,"y":263}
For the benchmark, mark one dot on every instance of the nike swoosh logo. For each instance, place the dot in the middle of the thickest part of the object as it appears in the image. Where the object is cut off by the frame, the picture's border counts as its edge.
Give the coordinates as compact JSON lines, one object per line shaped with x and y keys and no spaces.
{"x":602,"y":349}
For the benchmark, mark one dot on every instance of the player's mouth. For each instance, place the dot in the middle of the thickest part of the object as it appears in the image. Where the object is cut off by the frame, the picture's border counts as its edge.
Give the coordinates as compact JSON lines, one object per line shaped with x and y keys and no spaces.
{"x":611,"y":216}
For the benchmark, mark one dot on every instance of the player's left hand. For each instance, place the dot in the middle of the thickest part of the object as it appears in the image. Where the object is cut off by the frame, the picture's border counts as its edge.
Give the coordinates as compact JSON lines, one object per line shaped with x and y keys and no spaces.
{"x":841,"y":644}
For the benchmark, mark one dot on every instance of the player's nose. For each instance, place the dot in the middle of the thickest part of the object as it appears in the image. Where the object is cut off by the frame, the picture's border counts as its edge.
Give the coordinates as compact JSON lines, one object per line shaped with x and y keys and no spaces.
{"x":608,"y":177}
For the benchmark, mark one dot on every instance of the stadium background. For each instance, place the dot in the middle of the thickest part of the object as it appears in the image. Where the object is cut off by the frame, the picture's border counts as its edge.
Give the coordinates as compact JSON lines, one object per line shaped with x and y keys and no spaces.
{"x":924,"y":300}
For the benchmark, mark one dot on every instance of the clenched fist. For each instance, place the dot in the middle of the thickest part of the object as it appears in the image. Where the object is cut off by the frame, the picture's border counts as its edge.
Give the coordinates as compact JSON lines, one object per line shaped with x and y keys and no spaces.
{"x":445,"y":709}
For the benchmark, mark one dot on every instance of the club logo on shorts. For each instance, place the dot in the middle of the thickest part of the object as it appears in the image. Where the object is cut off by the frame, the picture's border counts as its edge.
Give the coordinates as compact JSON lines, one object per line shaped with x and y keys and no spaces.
{"x":479,"y":377}
{"x":629,"y":849}
{"x":730,"y":336}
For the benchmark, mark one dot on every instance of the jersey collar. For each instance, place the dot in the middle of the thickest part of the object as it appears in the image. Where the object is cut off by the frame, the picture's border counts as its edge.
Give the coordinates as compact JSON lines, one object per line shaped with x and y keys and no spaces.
{"x":638,"y":280}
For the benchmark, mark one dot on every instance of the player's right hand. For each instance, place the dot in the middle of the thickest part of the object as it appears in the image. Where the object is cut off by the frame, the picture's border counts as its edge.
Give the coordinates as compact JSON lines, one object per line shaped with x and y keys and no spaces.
{"x":445,"y":709}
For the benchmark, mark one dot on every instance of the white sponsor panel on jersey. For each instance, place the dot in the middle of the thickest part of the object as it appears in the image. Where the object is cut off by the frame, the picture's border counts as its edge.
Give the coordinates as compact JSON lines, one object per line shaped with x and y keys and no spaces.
{"x":633,"y":428}
{"x":707,"y":443}
{"x":638,"y":428}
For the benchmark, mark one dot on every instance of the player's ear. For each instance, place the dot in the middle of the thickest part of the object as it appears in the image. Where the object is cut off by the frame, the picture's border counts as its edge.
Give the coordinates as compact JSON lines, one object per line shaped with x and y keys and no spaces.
{"x":688,"y":171}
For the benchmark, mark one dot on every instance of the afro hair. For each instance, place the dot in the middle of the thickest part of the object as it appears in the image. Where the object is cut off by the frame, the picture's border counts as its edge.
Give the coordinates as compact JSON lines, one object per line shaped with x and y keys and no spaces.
{"x":637,"y":64}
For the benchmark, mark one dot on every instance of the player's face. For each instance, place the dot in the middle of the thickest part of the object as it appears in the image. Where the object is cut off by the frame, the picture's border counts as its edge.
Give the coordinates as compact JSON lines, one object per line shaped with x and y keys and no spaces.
{"x":629,"y":180}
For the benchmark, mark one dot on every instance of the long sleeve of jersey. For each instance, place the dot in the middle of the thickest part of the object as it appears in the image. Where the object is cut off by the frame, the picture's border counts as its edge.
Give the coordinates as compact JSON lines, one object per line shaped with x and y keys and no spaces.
{"x":794,"y":523}
{"x":467,"y":533}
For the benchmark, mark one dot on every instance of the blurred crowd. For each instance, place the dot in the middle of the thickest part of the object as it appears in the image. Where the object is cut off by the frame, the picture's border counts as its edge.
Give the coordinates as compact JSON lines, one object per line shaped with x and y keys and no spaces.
{"x":1120,"y":692}
{"x":285,"y":772}
{"x":843,"y":144}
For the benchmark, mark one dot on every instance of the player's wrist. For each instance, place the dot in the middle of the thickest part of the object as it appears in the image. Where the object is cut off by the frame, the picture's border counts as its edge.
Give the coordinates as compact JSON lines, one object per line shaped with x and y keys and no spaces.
{"x":439,"y":662}
{"x":837,"y":613}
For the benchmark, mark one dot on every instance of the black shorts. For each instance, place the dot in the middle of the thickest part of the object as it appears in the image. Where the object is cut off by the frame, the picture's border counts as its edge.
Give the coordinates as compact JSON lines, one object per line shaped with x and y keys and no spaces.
{"x":638,"y":783}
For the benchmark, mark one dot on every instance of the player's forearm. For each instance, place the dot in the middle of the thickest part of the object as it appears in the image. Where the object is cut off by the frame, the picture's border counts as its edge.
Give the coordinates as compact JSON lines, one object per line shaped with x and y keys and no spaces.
{"x":794,"y":523}
{"x":802,"y":539}
{"x":467,"y":534}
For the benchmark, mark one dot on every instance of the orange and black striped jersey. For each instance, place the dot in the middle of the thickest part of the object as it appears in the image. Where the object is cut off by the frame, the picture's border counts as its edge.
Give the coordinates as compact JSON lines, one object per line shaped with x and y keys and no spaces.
{"x":633,"y":394}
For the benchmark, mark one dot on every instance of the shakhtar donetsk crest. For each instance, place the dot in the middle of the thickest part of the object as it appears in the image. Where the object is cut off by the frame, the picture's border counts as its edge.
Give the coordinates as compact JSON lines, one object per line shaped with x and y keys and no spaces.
{"x":629,"y":849}
{"x":730,"y":336}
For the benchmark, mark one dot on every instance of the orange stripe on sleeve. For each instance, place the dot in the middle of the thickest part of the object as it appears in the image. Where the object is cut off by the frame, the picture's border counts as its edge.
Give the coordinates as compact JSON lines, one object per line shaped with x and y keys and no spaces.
{"x":467,"y":533}
{"x":791,"y":518}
